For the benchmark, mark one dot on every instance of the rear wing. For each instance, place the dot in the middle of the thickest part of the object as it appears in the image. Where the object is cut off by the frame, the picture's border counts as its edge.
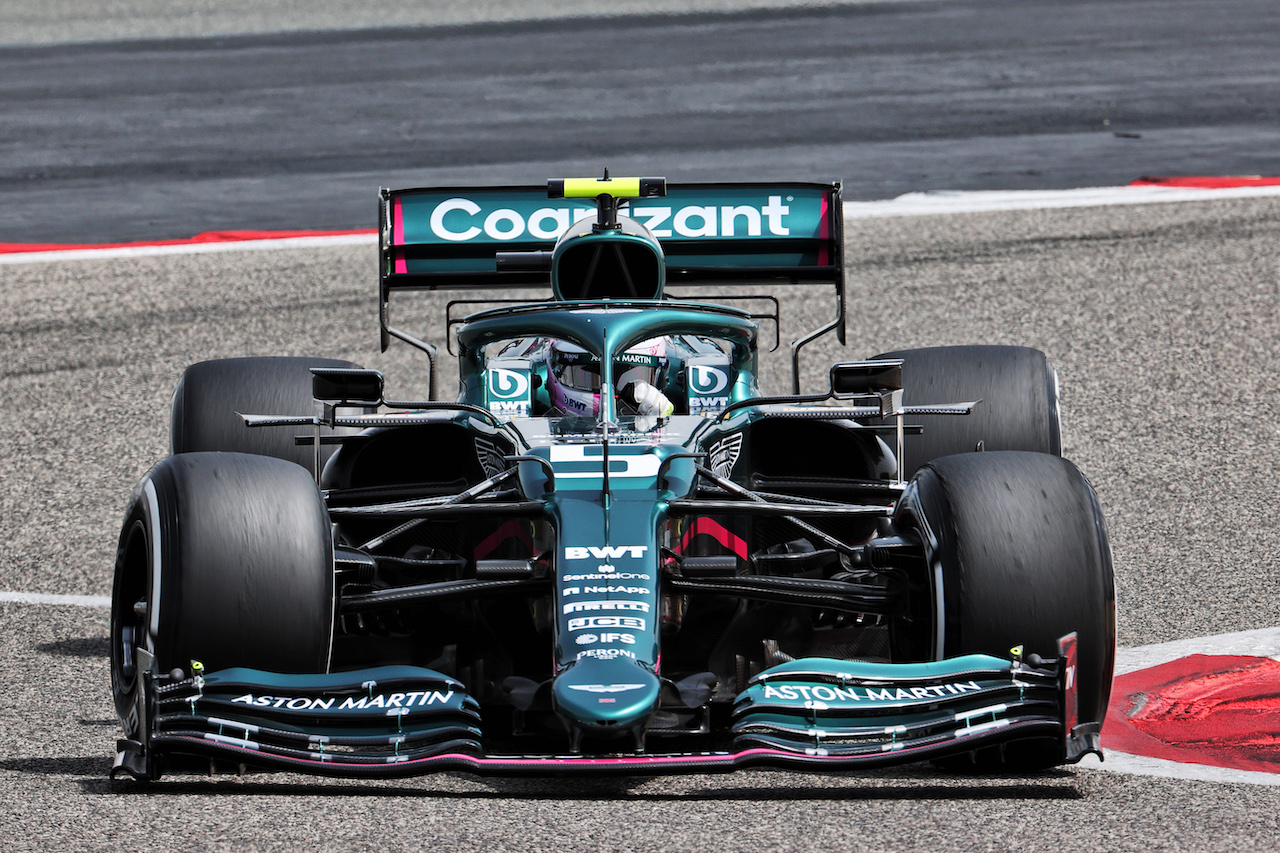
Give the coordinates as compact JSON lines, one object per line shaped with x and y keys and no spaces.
{"x":711,"y":233}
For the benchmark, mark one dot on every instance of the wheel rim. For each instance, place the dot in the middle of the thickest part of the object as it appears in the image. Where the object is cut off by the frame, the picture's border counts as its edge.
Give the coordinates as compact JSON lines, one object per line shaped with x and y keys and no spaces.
{"x":129,"y":608}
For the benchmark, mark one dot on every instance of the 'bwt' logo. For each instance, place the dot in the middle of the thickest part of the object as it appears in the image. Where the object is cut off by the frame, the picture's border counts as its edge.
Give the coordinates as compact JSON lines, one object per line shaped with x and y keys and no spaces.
{"x":707,"y":380}
{"x":507,"y":384}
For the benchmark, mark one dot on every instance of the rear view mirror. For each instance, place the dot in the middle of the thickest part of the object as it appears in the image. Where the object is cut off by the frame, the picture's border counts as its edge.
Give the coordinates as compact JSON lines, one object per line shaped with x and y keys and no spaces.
{"x":346,"y":386}
{"x":859,"y":378}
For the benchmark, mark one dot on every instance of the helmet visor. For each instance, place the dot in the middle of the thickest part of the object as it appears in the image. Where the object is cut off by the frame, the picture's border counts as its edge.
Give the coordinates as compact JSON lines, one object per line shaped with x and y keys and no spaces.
{"x":639,"y":367}
{"x":577,"y":370}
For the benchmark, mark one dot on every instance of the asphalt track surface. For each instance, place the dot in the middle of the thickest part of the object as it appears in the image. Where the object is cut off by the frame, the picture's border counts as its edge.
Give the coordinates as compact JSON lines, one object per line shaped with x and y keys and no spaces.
{"x":296,"y":129}
{"x":1163,"y":321}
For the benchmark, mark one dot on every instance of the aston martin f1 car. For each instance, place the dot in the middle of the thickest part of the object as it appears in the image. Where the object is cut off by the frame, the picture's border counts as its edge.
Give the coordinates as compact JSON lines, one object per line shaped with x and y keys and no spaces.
{"x":611,"y":552}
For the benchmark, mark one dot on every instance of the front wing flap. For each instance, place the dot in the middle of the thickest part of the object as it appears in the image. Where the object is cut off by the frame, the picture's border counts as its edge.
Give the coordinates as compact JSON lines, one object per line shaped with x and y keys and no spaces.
{"x":369,"y":718}
{"x":851,"y":709}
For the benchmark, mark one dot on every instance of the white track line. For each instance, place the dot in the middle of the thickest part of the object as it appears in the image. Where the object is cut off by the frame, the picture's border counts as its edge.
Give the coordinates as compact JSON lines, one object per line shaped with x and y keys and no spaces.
{"x":72,"y":600}
{"x":1140,"y":765}
{"x":939,"y":203}
{"x":945,"y":202}
{"x":188,"y":248}
{"x":1262,"y":643}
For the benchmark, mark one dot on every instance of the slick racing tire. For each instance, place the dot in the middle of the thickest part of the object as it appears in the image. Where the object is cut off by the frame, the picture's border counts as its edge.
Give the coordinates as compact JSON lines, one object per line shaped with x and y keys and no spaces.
{"x":1018,"y":389}
{"x":224,"y":558}
{"x":1024,"y":559}
{"x":210,"y":393}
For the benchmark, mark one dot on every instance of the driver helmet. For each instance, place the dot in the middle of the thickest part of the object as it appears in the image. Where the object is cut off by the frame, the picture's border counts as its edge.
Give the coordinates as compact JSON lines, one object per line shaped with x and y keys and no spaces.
{"x":573,"y":374}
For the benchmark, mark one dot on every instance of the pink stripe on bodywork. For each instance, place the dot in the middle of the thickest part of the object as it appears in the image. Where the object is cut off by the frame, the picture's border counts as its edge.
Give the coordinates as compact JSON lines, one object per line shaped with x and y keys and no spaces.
{"x":824,"y":233}
{"x":397,"y":235}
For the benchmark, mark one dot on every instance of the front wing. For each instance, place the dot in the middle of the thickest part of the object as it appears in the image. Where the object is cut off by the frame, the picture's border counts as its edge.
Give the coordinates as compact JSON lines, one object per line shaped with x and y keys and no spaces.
{"x":814,"y":713}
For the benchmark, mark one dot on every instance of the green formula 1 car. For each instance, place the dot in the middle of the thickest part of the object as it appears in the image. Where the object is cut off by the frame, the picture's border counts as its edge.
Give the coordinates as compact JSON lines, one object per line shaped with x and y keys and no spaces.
{"x":612,"y":552}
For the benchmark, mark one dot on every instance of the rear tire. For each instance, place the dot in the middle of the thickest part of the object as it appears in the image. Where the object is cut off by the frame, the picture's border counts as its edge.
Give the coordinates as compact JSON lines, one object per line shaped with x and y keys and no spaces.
{"x":1019,"y":393}
{"x":210,"y":393}
{"x":224,"y":558}
{"x":1024,"y":560}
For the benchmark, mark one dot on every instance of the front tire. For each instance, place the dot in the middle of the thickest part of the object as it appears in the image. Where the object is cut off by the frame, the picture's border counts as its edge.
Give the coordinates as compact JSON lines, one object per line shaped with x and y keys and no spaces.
{"x":224,"y":558}
{"x":1024,"y":559}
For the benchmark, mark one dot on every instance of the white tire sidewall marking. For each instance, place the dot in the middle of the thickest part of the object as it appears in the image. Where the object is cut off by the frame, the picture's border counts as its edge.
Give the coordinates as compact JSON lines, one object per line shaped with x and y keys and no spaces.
{"x":153,"y":596}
